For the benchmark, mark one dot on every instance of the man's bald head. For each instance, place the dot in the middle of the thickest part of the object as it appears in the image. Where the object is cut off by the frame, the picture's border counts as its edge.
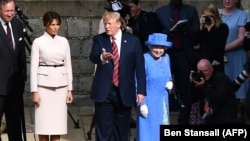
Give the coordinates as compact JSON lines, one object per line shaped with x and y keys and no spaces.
{"x":206,"y":67}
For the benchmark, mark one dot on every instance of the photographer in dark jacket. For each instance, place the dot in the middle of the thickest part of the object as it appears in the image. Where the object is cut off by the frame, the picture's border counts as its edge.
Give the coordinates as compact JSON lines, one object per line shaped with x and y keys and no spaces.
{"x":212,"y":37}
{"x":216,"y":95}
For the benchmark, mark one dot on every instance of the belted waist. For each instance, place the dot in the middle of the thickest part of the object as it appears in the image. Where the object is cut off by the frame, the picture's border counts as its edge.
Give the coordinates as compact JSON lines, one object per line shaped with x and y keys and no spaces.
{"x":60,"y":65}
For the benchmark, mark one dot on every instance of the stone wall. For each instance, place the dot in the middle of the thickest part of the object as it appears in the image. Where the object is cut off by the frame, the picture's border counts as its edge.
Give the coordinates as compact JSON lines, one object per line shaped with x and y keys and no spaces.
{"x":80,"y":24}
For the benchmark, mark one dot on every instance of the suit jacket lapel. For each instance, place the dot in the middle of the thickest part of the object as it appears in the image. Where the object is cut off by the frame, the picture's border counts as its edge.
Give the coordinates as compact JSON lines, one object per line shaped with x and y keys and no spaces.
{"x":15,"y":35}
{"x":5,"y":39}
{"x":107,"y":43}
{"x":124,"y":43}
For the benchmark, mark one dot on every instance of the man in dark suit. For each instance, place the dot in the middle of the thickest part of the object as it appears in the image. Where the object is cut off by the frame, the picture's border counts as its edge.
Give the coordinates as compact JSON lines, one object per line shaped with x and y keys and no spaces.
{"x":113,"y":102}
{"x":182,"y":54}
{"x":143,"y":23}
{"x":13,"y":70}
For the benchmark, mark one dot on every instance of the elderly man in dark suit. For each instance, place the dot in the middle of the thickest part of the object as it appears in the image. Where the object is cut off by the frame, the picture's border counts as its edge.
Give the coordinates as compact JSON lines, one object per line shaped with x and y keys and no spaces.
{"x":114,"y":98}
{"x":182,"y":54}
{"x":13,"y":70}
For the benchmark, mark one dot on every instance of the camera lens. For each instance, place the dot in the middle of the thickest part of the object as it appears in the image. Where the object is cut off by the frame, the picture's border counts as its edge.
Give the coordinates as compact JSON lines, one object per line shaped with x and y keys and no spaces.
{"x":208,"y":20}
{"x":197,"y":75}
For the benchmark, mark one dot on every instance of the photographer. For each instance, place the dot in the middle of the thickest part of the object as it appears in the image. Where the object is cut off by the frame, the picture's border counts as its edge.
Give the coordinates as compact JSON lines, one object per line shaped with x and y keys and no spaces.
{"x":213,"y":36}
{"x":215,"y":94}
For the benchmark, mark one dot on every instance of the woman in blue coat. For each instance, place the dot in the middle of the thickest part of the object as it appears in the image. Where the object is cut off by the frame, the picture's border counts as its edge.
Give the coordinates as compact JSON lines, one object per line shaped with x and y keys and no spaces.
{"x":155,"y":109}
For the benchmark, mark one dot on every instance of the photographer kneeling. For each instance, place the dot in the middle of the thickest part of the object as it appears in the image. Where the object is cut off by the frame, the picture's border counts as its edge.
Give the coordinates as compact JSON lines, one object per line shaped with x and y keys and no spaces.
{"x":214,"y":92}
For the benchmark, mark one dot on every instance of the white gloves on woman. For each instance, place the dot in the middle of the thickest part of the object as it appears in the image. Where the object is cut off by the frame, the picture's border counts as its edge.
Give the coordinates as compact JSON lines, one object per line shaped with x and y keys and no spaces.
{"x":144,"y":110}
{"x":169,"y":85}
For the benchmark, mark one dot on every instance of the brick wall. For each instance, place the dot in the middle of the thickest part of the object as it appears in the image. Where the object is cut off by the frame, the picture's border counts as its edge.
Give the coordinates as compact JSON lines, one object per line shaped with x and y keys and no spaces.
{"x":80,"y":24}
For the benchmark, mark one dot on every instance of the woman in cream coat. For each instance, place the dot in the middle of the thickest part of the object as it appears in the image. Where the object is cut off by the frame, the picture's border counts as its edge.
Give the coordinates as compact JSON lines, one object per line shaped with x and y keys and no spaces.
{"x":51,"y":80}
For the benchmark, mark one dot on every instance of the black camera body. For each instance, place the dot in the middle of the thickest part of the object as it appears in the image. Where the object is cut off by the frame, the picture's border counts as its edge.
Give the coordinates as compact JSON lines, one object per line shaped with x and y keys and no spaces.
{"x":208,"y":20}
{"x":117,"y":6}
{"x":197,"y":75}
{"x":244,"y":75}
{"x":246,"y":42}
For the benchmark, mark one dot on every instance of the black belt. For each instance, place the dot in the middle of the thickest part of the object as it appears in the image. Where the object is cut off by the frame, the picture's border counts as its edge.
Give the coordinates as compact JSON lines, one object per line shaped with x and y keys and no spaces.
{"x":52,"y":65}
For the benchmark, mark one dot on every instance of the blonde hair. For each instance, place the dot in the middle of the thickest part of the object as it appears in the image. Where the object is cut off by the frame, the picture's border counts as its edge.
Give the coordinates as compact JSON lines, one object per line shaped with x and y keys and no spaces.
{"x":116,"y":16}
{"x":214,"y":10}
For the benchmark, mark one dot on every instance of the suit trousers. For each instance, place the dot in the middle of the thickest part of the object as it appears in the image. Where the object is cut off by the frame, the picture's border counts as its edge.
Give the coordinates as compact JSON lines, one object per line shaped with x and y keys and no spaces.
{"x":181,"y":69}
{"x":12,"y":105}
{"x":112,"y":118}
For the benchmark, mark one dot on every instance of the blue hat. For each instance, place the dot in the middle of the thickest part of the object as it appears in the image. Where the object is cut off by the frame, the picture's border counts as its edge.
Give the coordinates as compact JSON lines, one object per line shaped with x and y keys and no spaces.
{"x":159,"y":39}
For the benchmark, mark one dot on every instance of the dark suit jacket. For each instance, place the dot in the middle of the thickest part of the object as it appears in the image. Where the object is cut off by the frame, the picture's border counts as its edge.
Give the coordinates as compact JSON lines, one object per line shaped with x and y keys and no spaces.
{"x":143,"y":25}
{"x":189,"y":36}
{"x":12,"y":61}
{"x":131,"y":69}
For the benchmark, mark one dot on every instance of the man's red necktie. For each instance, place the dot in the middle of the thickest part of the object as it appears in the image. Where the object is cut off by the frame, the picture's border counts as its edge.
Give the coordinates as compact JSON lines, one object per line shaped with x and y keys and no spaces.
{"x":116,"y":63}
{"x":9,"y":36}
{"x":177,"y":36}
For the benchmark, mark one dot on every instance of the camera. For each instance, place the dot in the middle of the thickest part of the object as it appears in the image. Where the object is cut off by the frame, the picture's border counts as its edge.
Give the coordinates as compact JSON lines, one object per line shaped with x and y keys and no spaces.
{"x":116,"y":5}
{"x":197,"y":75}
{"x":208,"y":20}
{"x":246,"y":42}
{"x":244,"y":75}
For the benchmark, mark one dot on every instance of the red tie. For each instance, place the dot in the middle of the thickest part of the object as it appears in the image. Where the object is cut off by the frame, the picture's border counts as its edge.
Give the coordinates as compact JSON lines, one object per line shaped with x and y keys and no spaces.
{"x":116,"y":63}
{"x":177,"y":37}
{"x":9,"y":36}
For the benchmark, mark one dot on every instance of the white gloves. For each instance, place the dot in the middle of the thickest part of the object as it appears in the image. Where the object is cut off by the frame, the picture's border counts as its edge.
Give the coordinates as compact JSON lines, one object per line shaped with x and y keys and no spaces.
{"x":144,"y":110}
{"x":144,"y":107}
{"x":169,"y":85}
